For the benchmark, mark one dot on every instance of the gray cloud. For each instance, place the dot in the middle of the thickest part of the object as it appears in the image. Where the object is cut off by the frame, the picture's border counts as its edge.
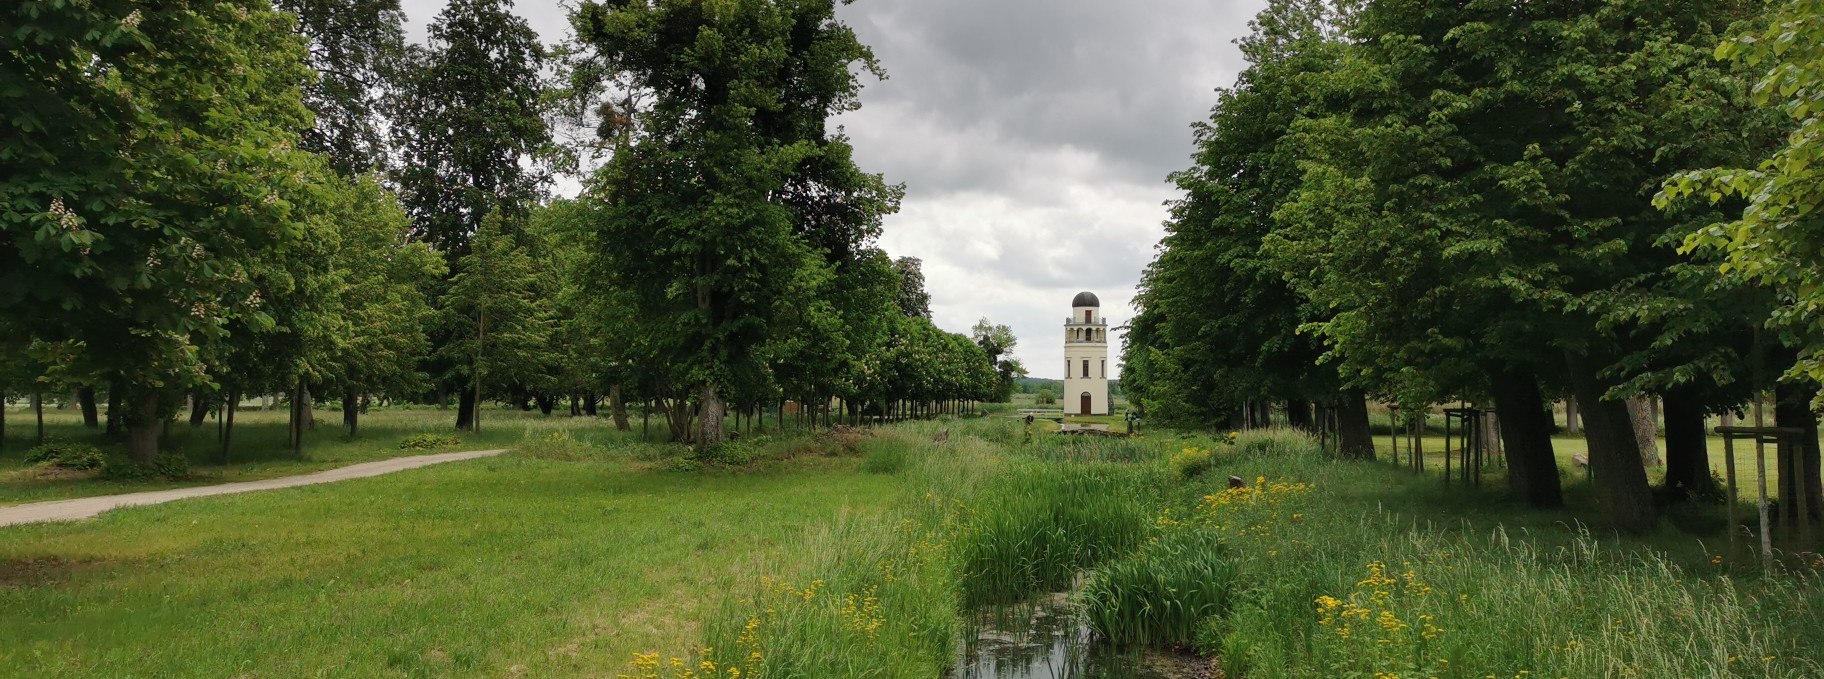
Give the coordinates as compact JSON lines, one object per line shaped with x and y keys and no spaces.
{"x":1033,"y":136}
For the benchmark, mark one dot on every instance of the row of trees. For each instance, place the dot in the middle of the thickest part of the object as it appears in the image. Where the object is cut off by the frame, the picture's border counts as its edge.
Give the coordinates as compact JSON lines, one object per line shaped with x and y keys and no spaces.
{"x":247,"y":198}
{"x":1423,"y":201}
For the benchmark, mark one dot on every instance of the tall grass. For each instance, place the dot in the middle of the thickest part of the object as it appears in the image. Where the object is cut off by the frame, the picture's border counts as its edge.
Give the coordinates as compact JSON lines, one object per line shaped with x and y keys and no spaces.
{"x":1159,"y":595}
{"x":1357,"y":570}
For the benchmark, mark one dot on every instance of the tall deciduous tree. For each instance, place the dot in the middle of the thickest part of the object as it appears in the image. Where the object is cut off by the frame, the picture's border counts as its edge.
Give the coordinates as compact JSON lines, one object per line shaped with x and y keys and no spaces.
{"x":1488,"y":185}
{"x":997,"y":341}
{"x":149,"y":153}
{"x":355,"y":46}
{"x":468,"y":121}
{"x":730,"y":186}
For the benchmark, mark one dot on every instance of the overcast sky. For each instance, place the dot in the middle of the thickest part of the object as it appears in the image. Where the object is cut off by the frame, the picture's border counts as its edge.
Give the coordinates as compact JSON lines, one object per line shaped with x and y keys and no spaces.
{"x":1033,"y":136}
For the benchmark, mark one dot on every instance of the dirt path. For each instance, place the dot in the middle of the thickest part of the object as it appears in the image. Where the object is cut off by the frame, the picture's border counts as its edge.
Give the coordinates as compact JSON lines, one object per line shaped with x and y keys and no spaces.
{"x":82,"y":508}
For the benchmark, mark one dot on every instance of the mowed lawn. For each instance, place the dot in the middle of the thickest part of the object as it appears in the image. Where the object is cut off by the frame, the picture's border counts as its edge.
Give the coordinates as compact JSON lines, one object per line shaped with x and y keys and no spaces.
{"x":258,"y":448}
{"x":510,"y":566}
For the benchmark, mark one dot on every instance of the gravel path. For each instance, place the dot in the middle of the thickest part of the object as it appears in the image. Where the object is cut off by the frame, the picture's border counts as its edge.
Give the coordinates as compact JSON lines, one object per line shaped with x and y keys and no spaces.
{"x":82,"y":508}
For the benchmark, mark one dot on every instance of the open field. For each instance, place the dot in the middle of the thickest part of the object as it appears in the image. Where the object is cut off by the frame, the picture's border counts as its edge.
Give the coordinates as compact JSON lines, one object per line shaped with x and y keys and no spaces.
{"x":258,"y":451}
{"x":584,"y":551}
{"x":554,"y":567}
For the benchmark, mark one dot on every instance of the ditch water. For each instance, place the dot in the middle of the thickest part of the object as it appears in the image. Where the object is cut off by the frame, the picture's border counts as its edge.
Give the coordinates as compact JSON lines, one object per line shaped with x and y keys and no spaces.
{"x":1045,"y":639}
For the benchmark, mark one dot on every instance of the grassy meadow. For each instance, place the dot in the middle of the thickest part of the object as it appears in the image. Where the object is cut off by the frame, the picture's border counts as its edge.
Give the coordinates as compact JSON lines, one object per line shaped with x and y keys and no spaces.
{"x":258,"y":448}
{"x":590,"y":553}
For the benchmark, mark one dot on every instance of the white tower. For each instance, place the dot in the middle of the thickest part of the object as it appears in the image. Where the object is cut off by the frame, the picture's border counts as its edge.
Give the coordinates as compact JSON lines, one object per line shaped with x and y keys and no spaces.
{"x":1085,"y":358}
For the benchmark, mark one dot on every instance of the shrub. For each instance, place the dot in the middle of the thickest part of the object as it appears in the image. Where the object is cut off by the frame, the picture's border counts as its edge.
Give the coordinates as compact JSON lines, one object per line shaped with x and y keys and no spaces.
{"x":1160,"y":595}
{"x":684,"y":465}
{"x":173,"y":466}
{"x":66,"y":455}
{"x":731,"y":453}
{"x":429,"y":441}
{"x":1192,"y":462}
{"x":122,"y":468}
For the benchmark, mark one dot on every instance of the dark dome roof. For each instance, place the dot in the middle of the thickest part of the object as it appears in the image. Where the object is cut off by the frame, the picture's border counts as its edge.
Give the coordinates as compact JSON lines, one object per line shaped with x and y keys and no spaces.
{"x":1086,"y":298}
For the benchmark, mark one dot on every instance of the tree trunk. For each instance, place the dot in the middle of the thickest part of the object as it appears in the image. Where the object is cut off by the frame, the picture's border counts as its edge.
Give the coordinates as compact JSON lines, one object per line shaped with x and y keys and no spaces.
{"x":307,"y":408}
{"x":2,"y":422}
{"x":228,"y":407}
{"x":117,"y":413}
{"x":1687,"y":446}
{"x":38,"y":409}
{"x":1356,"y":442}
{"x":465,"y":410}
{"x":1572,"y":420}
{"x":576,"y":406}
{"x":300,"y":409}
{"x":1298,"y":414}
{"x":1646,"y":429}
{"x":481,"y":335}
{"x":351,"y":411}
{"x":709,"y":416}
{"x":1526,"y":434}
{"x":618,"y":406}
{"x":1799,"y":468}
{"x":86,"y":397}
{"x":199,"y":410}
{"x":589,"y":399}
{"x":1622,"y":492}
{"x":546,"y":404}
{"x":142,"y":425}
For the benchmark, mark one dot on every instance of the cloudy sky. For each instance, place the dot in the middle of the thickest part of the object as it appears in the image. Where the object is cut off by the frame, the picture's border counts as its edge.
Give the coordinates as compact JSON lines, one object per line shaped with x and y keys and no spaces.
{"x":1033,"y":136}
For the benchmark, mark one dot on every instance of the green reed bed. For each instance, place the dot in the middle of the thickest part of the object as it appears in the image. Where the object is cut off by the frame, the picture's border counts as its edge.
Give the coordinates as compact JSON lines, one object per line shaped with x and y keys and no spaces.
{"x":887,"y":597}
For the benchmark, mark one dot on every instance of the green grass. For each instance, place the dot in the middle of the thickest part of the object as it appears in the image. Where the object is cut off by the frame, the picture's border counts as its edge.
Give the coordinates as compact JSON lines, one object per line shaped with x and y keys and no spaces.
{"x":838,"y":555}
{"x":511,"y":566}
{"x":259,"y":447}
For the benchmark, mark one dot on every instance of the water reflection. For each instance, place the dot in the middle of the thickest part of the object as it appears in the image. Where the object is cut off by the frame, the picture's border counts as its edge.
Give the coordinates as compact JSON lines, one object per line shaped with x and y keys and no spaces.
{"x":1045,"y":639}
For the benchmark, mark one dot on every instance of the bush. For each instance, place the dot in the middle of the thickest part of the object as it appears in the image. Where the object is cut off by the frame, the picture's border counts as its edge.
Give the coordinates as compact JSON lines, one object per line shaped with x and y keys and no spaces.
{"x":66,"y":455}
{"x":173,"y":466}
{"x":429,"y":441}
{"x":684,"y":465}
{"x":1192,"y":462}
{"x":730,"y":453}
{"x":169,"y":466}
{"x":1160,"y":595}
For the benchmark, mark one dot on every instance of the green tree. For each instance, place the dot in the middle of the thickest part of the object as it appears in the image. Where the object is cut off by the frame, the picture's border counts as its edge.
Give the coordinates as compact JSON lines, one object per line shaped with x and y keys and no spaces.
{"x":997,"y":341}
{"x":355,"y":46}
{"x":913,"y":299}
{"x":468,"y":122}
{"x":1487,"y":181}
{"x":499,"y":315}
{"x":1777,"y":237}
{"x":1216,"y":310}
{"x":142,"y":185}
{"x":730,"y":186}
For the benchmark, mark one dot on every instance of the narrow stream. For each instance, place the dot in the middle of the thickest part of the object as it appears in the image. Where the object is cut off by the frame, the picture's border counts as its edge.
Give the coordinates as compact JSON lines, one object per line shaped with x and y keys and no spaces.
{"x":1045,"y":639}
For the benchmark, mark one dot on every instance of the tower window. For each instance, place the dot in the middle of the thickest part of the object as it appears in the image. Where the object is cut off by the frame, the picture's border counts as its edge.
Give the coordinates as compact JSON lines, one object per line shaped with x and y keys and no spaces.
{"x":1104,"y":368}
{"x":1086,"y":367}
{"x":1089,"y":315}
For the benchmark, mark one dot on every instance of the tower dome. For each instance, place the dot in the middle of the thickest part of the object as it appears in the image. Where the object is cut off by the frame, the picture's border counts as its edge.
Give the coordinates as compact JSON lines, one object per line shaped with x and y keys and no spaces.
{"x":1086,"y":298}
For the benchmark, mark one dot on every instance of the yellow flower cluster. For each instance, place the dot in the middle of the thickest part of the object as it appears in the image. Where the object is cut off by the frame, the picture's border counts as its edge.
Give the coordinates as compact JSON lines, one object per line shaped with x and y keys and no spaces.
{"x":1383,"y":624}
{"x":861,"y":613}
{"x":648,"y":666}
